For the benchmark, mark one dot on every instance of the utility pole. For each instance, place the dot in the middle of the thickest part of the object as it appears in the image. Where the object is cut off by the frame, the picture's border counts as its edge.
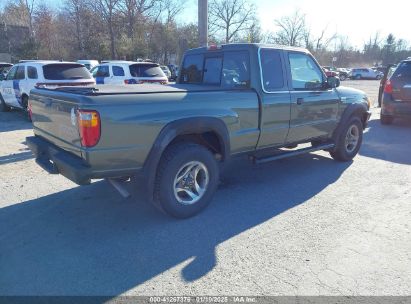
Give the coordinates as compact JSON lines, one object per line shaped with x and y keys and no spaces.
{"x":203,"y":22}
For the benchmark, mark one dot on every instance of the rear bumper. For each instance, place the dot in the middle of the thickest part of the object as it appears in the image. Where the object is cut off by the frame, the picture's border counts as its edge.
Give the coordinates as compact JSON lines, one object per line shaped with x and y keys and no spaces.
{"x":395,"y":108}
{"x":57,"y":161}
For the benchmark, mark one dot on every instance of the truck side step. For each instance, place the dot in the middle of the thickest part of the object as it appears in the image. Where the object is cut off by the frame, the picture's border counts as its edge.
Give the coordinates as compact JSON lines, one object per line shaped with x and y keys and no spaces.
{"x":281,"y":155}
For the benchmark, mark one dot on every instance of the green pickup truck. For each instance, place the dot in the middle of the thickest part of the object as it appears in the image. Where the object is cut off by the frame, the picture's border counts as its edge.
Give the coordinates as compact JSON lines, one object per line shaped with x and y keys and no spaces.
{"x":260,"y":101}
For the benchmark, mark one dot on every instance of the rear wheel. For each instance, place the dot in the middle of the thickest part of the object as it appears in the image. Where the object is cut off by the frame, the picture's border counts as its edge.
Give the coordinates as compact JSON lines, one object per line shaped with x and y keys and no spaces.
{"x":3,"y":106}
{"x":186,"y":180}
{"x":343,"y":77}
{"x":386,"y":119}
{"x":349,"y":141}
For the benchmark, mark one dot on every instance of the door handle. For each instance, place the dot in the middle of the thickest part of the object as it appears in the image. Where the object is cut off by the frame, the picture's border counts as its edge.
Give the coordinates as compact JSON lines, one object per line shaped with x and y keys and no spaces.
{"x":300,"y":101}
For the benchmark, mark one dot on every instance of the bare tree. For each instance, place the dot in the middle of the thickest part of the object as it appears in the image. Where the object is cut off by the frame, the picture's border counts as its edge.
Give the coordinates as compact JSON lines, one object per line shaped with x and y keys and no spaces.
{"x":292,"y":30}
{"x":107,"y":9}
{"x":30,"y":7}
{"x":134,"y":10}
{"x":76,"y":9}
{"x":230,"y":16}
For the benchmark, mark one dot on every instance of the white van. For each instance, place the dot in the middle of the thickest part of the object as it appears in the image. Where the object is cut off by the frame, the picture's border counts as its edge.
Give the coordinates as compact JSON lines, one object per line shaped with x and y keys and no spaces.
{"x":128,"y":72}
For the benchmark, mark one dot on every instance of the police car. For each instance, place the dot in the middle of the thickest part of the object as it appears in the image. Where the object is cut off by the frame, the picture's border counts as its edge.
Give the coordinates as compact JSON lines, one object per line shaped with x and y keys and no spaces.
{"x":128,"y":72}
{"x":25,"y":76}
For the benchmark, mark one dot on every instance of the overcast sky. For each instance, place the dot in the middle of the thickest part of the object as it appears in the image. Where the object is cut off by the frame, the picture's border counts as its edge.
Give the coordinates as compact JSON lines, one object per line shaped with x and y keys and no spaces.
{"x":357,"y":19}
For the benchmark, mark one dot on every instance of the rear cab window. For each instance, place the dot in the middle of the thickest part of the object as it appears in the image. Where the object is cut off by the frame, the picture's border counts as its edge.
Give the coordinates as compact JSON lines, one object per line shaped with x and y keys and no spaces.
{"x":192,"y":70}
{"x":146,"y":70}
{"x":58,"y":71}
{"x":228,"y":69}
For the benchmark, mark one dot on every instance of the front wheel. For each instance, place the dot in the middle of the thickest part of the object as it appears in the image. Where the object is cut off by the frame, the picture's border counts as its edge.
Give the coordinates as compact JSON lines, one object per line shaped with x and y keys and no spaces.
{"x":187,"y":178}
{"x":349,"y":141}
{"x":343,"y":77}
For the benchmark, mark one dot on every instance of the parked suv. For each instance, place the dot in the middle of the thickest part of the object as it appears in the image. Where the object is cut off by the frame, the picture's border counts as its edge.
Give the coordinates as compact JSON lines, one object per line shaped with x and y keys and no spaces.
{"x":25,"y":76}
{"x":396,"y":98}
{"x":128,"y":72}
{"x":365,"y":73}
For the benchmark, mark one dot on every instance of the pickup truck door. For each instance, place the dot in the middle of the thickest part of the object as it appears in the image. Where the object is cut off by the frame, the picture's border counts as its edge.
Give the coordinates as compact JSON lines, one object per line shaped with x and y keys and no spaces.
{"x":314,"y":106}
{"x":275,"y":112}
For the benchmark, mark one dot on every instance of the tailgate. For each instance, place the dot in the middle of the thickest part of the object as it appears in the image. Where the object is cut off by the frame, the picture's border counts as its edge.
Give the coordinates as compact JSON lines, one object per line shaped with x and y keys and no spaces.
{"x":54,"y":118}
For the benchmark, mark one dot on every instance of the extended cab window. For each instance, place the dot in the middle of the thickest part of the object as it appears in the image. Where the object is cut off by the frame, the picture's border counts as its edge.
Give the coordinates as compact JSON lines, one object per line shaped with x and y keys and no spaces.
{"x":236,"y":70}
{"x":32,"y":72}
{"x":305,"y":73}
{"x":65,"y":72}
{"x":273,"y":77}
{"x":192,"y":70}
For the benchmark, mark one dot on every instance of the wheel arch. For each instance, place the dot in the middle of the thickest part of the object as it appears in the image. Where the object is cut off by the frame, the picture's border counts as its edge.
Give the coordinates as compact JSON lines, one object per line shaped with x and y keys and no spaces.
{"x":187,"y":129}
{"x":354,"y":109}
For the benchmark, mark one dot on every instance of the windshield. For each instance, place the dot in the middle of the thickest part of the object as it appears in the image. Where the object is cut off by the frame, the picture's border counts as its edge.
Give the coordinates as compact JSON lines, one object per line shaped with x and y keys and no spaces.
{"x":65,"y":71}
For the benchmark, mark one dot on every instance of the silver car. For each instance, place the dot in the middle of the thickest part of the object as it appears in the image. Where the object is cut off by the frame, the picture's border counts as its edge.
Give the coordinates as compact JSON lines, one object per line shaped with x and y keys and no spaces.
{"x":365,"y":73}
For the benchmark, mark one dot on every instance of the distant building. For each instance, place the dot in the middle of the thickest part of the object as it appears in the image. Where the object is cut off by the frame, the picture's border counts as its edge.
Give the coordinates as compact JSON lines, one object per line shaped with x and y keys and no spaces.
{"x":13,"y":38}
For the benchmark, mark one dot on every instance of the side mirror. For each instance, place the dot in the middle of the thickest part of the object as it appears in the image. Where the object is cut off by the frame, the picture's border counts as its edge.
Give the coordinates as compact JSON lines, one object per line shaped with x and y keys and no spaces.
{"x":333,"y":81}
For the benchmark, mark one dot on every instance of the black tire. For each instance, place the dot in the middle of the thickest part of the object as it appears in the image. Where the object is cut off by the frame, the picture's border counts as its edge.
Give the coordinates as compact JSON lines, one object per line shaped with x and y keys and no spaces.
{"x":378,"y":77}
{"x":344,"y":151}
{"x":343,"y":77}
{"x":386,"y":119}
{"x":3,"y":106}
{"x":176,"y":159}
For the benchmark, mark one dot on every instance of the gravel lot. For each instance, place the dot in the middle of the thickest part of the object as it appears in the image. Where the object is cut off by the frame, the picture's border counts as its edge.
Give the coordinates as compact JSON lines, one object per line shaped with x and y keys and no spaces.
{"x":300,"y":226}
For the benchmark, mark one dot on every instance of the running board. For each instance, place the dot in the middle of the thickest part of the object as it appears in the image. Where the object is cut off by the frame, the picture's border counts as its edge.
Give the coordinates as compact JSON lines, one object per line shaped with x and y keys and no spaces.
{"x":286,"y":154}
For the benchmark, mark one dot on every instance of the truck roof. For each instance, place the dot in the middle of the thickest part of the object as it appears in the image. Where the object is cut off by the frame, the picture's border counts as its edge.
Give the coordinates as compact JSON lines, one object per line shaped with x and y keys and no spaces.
{"x":246,"y":46}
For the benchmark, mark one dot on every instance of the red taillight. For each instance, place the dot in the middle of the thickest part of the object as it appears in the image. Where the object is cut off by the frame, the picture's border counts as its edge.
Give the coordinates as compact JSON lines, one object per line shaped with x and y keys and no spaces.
{"x":89,"y":127}
{"x":388,"y":87}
